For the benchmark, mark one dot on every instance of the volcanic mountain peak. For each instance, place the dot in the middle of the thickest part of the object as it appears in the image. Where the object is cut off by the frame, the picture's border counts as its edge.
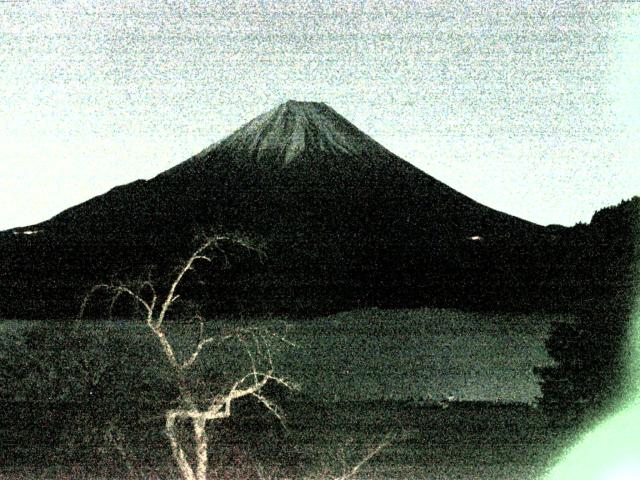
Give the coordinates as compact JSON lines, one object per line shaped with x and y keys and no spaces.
{"x":346,"y":223}
{"x":295,"y":128}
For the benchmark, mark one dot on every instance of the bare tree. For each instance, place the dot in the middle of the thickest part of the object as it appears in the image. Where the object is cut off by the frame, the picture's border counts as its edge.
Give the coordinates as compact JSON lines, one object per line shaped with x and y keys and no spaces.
{"x":350,"y":472}
{"x":347,"y":469}
{"x":194,"y":408}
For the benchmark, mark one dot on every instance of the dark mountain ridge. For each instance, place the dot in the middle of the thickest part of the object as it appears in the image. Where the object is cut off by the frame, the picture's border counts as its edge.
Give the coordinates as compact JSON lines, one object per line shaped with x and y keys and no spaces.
{"x":344,"y":222}
{"x":299,"y":148}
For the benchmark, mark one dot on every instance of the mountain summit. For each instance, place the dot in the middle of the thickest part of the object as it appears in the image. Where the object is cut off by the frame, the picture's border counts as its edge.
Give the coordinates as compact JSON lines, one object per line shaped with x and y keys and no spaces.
{"x":295,"y":129}
{"x":344,"y":222}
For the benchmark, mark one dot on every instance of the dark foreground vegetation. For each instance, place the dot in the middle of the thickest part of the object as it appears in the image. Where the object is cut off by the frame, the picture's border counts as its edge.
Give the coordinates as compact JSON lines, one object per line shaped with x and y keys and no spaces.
{"x":77,"y":401}
{"x":86,"y":400}
{"x":593,"y":351}
{"x":322,"y":440}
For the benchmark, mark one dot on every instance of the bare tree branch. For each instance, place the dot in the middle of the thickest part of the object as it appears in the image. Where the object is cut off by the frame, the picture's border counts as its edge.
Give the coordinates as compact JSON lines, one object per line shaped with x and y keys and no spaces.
{"x":117,"y":290}
{"x":272,"y":407}
{"x":256,"y":344}
{"x":194,"y":356}
{"x":356,"y":468}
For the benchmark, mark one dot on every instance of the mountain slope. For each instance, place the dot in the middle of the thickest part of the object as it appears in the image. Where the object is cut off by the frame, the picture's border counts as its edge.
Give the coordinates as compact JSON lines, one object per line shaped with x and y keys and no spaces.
{"x":300,"y":151}
{"x":344,"y":222}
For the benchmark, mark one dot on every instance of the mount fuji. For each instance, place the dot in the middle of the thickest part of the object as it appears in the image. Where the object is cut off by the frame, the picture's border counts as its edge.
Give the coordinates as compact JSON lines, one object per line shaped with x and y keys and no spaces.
{"x":344,"y":223}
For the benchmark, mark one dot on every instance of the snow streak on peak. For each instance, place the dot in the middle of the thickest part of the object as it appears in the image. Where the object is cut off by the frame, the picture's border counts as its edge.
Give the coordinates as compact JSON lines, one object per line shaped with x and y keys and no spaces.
{"x":294,"y":129}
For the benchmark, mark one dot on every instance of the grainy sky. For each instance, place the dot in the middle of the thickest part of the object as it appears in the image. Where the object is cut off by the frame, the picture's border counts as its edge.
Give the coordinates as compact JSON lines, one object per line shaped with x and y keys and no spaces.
{"x":530,"y":107}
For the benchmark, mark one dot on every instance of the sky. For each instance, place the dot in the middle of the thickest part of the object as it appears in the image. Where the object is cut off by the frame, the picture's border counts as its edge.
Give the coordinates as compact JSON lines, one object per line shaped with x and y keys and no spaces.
{"x":529,"y":107}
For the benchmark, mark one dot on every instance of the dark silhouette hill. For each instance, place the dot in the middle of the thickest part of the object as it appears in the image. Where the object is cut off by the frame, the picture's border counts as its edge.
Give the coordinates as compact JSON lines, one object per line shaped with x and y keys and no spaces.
{"x":344,"y":223}
{"x":593,"y":353}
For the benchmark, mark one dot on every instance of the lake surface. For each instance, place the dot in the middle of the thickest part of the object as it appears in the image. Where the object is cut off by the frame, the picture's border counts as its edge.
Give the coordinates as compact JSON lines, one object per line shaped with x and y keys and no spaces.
{"x":393,"y":354}
{"x":421,"y":353}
